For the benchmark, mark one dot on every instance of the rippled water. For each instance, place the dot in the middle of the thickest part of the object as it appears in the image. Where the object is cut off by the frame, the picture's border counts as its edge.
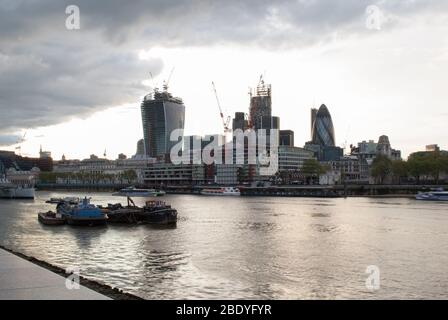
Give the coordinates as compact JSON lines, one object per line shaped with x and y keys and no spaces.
{"x":251,"y":248}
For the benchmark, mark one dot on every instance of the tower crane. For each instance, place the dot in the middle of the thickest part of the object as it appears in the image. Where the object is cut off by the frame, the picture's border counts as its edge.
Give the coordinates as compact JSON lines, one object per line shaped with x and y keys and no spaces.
{"x":167,"y":82}
{"x":225,"y":121}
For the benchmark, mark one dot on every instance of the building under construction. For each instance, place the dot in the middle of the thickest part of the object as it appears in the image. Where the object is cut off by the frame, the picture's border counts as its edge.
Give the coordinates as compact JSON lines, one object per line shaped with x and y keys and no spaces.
{"x":260,"y":105}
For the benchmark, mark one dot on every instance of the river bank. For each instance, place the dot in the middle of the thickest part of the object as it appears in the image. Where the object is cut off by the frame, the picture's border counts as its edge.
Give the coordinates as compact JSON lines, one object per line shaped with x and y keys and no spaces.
{"x":113,"y":293}
{"x":318,"y":191}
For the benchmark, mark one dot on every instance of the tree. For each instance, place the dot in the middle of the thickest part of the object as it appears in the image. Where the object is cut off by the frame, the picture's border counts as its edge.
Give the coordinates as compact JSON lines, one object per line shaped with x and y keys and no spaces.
{"x":400,"y":170}
{"x":130,"y":176}
{"x":424,"y":164}
{"x":381,"y":168}
{"x":312,"y":168}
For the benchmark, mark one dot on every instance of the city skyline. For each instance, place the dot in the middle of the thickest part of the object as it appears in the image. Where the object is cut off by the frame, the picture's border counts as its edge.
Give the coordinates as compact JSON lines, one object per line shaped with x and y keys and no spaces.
{"x":375,"y":82}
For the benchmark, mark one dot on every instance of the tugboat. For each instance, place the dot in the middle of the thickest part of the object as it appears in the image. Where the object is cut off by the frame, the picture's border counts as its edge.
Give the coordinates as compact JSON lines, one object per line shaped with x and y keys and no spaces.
{"x":82,"y":214}
{"x":154,"y":212}
{"x":158,"y":212}
{"x":51,"y":218}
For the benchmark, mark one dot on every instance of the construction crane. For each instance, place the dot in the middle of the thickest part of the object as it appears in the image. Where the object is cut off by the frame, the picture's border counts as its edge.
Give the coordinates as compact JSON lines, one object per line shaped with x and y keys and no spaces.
{"x":225,"y":121}
{"x":167,"y":82}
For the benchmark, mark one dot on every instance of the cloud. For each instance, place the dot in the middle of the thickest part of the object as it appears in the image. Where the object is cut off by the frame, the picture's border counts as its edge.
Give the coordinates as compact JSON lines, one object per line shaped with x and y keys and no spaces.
{"x":49,"y":74}
{"x":8,"y":140}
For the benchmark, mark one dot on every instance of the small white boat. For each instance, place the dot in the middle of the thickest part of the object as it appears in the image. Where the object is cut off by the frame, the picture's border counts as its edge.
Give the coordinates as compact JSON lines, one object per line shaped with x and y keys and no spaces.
{"x":432,"y":196}
{"x":228,"y":191}
{"x":70,"y":200}
{"x":134,"y":192}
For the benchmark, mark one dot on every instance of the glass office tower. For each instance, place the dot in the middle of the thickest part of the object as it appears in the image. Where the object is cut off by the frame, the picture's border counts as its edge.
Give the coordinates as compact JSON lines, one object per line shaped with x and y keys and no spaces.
{"x":323,"y":130}
{"x":161,"y":114}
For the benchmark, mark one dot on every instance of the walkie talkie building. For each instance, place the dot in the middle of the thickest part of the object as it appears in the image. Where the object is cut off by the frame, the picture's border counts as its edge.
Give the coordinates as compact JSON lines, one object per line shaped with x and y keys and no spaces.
{"x":161,"y":114}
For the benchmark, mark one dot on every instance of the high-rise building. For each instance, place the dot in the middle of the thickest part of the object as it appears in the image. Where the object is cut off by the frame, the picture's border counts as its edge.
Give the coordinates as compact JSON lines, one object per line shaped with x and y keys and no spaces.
{"x":313,"y":119}
{"x":140,"y":147}
{"x":287,"y":138}
{"x":240,"y":122}
{"x":161,"y":114}
{"x":260,"y":104}
{"x":322,"y":127}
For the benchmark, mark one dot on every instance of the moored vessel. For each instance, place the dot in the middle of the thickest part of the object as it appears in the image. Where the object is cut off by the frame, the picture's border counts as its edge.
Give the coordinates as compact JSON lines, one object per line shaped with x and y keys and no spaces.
{"x":51,"y":218}
{"x":437,"y":195}
{"x":9,"y":190}
{"x":82,"y":214}
{"x":70,"y":200}
{"x":158,"y":212}
{"x":135,"y":192}
{"x":227,"y":191}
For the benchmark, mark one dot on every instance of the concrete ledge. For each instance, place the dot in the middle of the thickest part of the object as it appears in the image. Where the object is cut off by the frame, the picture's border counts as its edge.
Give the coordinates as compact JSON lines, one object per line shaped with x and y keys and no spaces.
{"x":23,"y":280}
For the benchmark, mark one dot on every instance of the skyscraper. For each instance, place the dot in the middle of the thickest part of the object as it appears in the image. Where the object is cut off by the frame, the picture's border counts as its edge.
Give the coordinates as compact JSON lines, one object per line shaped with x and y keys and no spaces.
{"x":260,"y":104}
{"x":287,"y":138}
{"x":322,"y":128}
{"x":140,"y":147}
{"x":161,"y":114}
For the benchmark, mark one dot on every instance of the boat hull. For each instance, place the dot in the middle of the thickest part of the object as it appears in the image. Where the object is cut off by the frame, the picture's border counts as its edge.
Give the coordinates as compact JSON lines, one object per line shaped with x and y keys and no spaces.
{"x":81,"y":221}
{"x":46,"y":219}
{"x":17,"y":193}
{"x":162,"y":217}
{"x":235,"y":194}
{"x":426,"y":198}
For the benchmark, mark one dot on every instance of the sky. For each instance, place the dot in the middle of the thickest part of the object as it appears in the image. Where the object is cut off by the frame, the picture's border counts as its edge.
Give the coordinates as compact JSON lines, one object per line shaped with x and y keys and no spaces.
{"x":380,"y":67}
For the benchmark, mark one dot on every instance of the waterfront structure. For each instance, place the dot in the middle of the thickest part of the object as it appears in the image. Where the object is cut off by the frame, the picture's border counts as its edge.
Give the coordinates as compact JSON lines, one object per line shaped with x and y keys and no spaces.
{"x":292,"y":158}
{"x":384,"y":148}
{"x":161,"y":115}
{"x":286,"y":138}
{"x":11,"y":160}
{"x":329,"y":178}
{"x":352,"y":169}
{"x":95,"y":166}
{"x":369,"y":150}
{"x":167,"y":174}
{"x":325,"y":153}
{"x":228,"y":174}
{"x":322,"y":127}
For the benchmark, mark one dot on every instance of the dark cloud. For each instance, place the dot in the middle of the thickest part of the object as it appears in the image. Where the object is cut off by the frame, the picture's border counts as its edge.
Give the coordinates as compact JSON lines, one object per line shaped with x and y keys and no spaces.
{"x":49,"y":74}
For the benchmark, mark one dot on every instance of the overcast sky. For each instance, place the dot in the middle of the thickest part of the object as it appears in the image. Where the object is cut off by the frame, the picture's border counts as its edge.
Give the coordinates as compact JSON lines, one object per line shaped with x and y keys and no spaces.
{"x":380,"y":70}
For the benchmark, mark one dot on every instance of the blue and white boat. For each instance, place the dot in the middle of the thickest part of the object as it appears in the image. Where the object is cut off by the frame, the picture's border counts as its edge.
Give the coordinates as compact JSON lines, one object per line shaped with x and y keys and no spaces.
{"x":82,"y":214}
{"x":436,"y":195}
{"x":134,"y":192}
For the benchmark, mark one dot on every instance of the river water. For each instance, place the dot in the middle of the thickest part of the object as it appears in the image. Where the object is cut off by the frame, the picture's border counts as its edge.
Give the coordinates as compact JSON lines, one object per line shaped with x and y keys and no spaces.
{"x":251,"y":248}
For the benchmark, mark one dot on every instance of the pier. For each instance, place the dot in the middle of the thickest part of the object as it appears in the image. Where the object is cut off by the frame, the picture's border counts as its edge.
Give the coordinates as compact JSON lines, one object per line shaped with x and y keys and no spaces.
{"x":23,"y":280}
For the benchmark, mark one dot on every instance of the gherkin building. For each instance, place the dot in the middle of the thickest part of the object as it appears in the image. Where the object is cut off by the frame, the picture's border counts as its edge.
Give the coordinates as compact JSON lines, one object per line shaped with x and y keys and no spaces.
{"x":322,"y":129}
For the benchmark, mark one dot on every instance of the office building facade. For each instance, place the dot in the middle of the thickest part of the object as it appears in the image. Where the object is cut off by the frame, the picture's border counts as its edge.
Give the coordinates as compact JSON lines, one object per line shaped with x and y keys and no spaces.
{"x":161,"y":115}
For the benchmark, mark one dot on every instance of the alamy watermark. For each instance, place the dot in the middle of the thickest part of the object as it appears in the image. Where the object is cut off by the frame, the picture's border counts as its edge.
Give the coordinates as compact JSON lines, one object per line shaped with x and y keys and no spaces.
{"x":73,"y":21}
{"x":72,"y":281}
{"x":247,"y":147}
{"x":375,"y":18}
{"x":373,"y":281}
